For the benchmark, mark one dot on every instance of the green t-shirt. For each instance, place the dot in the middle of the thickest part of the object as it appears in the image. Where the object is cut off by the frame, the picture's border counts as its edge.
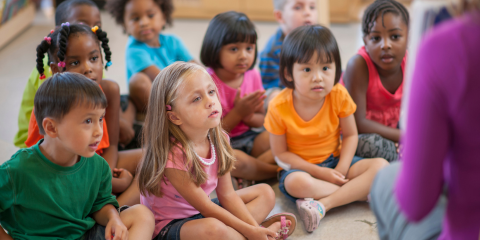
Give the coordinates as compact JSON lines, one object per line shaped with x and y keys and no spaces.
{"x":42,"y":200}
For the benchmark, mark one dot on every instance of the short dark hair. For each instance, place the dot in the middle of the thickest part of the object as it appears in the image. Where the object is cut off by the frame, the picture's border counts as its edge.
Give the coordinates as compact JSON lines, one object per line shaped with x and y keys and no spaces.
{"x":117,"y":9}
{"x":226,"y":28}
{"x":63,"y":91}
{"x":64,"y":9}
{"x":57,"y":45}
{"x":300,"y":45}
{"x":380,"y":8}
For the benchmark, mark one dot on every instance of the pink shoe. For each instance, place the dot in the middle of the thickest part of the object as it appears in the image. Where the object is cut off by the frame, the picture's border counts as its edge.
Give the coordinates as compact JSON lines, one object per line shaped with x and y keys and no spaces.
{"x":311,"y":212}
{"x":284,"y":230}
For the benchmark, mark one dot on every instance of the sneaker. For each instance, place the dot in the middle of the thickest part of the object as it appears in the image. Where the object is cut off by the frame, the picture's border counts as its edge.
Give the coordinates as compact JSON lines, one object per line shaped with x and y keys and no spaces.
{"x":311,"y":212}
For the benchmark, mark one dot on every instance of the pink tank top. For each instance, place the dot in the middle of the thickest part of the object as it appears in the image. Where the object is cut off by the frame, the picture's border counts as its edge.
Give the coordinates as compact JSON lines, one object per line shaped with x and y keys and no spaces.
{"x":382,"y":106}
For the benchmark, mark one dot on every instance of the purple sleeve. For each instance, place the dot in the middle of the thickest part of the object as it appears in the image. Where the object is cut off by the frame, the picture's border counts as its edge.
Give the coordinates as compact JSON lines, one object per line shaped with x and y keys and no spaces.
{"x":426,"y":140}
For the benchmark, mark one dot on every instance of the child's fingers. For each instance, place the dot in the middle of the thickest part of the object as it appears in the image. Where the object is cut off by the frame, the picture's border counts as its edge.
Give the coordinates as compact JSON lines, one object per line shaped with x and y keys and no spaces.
{"x":270,"y":233}
{"x":108,"y":232}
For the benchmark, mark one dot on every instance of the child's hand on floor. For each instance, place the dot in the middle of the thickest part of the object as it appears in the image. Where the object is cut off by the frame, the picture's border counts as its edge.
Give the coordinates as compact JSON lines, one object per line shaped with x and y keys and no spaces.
{"x":330,"y":175}
{"x":248,"y":104}
{"x":116,"y":230}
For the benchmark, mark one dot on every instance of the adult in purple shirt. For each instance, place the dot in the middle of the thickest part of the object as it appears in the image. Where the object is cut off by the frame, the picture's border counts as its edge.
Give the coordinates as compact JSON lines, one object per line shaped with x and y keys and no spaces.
{"x":434,"y":192}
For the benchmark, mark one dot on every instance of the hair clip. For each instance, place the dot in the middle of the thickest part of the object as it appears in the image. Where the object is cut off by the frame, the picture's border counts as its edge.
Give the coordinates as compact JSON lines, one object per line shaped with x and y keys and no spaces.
{"x":48,"y":39}
{"x":94,"y":29}
{"x":242,"y":18}
{"x":61,"y":64}
{"x":109,"y":63}
{"x":42,"y":76}
{"x":65,"y":24}
{"x":51,"y":31}
{"x":169,"y":107}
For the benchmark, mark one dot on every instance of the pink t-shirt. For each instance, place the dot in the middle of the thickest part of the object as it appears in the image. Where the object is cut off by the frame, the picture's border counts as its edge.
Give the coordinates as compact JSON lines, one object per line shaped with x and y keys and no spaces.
{"x":172,"y":205}
{"x":382,"y":106}
{"x":251,"y":82}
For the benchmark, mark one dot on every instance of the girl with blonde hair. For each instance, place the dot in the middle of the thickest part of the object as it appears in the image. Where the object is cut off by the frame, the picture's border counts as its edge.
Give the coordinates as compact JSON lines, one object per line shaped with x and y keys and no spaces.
{"x":187,"y":155}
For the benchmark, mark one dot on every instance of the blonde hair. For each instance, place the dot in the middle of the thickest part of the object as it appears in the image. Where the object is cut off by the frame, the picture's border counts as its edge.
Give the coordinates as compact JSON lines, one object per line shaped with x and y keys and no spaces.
{"x":459,"y":7}
{"x":160,"y":135}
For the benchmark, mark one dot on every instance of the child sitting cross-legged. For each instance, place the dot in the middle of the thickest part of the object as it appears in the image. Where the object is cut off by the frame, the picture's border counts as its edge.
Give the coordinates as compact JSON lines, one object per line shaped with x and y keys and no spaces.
{"x":60,"y":187}
{"x":187,"y":156}
{"x":305,"y":121}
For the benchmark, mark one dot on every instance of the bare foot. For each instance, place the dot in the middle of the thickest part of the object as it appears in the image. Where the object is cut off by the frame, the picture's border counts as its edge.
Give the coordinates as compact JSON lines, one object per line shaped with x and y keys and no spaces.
{"x":276,"y":227}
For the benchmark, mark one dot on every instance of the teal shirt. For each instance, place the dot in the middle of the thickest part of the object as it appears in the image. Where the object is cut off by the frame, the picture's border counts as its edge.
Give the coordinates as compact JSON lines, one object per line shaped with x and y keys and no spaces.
{"x":42,"y":200}
{"x":140,"y":56}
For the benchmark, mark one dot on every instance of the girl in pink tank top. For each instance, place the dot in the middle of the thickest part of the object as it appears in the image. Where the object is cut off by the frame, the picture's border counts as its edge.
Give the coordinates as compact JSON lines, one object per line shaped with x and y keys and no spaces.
{"x":374,"y":79}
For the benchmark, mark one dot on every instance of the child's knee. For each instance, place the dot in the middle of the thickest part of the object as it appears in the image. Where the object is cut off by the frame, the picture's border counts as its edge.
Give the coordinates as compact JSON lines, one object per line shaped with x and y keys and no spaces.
{"x":140,"y":82}
{"x":213,"y":229}
{"x":142,"y":215}
{"x":298,"y":182}
{"x":378,"y":163}
{"x":267,"y":192}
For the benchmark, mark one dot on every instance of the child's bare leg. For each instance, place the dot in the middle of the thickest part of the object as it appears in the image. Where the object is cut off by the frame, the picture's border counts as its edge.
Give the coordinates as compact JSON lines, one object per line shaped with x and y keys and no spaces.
{"x":139,"y":221}
{"x":131,"y":196}
{"x":259,"y":199}
{"x":261,"y":144}
{"x":303,"y":185}
{"x":361,"y":176}
{"x":129,"y":160}
{"x":248,"y":167}
{"x":139,"y":88}
{"x":213,"y":229}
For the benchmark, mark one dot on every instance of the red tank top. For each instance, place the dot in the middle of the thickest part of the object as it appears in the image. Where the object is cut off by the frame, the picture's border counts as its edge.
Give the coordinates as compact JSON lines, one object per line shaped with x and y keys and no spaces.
{"x":382,"y":106}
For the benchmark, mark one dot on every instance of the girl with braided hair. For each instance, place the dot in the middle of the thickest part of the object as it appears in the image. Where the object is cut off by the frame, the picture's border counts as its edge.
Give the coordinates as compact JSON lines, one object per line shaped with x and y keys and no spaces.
{"x":76,"y":48}
{"x":374,"y":78}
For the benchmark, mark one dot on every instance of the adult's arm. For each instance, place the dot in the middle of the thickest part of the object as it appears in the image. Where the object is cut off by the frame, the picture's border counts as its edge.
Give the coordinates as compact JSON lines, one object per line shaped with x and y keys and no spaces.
{"x":427,"y":138}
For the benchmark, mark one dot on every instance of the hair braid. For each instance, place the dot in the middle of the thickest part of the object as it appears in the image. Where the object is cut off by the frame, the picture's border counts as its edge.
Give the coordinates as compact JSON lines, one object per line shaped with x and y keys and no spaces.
{"x":62,"y":42}
{"x":102,"y":37}
{"x":42,"y":48}
{"x":380,"y":8}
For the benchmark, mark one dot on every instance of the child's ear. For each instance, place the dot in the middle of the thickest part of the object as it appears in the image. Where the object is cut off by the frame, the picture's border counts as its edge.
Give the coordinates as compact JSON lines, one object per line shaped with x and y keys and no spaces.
{"x":54,"y":68}
{"x":287,"y":76}
{"x":50,"y":127}
{"x":174,"y":118}
{"x":278,"y":16}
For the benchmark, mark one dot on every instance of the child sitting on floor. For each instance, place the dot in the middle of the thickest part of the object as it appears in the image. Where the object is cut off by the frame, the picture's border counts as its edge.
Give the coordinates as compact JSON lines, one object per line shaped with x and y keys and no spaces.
{"x":148,"y":49}
{"x":374,"y":78}
{"x":229,"y":50}
{"x":76,"y":48}
{"x":60,"y":187}
{"x":188,"y":156}
{"x":320,"y":170}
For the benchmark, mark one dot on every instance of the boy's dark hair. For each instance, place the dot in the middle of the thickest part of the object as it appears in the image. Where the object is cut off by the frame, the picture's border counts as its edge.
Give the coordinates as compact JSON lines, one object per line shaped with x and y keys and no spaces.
{"x":63,"y":91}
{"x":380,"y":8}
{"x":226,"y":28}
{"x":117,"y":9}
{"x":300,"y":45}
{"x":58,"y":43}
{"x":64,"y":9}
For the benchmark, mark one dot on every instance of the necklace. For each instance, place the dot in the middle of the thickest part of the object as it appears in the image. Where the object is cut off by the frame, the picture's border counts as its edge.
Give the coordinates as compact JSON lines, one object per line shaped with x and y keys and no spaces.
{"x":213,"y":153}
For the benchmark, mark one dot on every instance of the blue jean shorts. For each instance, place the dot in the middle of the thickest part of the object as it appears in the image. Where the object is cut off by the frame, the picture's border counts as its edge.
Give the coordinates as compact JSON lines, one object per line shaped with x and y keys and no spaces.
{"x":331,"y":162}
{"x":171,"y":231}
{"x":97,"y":232}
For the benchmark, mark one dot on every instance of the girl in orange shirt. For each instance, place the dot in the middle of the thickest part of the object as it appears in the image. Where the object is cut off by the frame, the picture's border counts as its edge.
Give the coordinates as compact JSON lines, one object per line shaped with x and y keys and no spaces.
{"x":305,"y":120}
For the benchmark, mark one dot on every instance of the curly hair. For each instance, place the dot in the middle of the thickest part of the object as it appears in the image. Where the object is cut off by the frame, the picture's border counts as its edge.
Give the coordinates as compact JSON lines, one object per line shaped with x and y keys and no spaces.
{"x":57,"y":45}
{"x":378,"y":9}
{"x":117,"y":9}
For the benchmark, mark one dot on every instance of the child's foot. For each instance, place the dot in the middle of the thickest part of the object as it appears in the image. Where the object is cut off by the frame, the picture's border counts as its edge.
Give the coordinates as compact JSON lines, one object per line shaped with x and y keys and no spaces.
{"x":311,"y":212}
{"x":283,"y":224}
{"x":282,"y":232}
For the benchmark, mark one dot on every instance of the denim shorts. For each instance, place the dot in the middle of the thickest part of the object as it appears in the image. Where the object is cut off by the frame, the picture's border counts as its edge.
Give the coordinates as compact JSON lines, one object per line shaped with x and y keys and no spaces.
{"x":171,"y":231}
{"x":97,"y":232}
{"x":244,"y":142}
{"x":331,"y":162}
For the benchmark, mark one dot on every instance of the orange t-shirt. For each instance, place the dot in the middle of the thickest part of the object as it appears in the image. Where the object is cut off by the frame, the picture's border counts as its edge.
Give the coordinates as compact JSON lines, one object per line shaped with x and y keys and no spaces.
{"x":315,"y":140}
{"x":34,"y":133}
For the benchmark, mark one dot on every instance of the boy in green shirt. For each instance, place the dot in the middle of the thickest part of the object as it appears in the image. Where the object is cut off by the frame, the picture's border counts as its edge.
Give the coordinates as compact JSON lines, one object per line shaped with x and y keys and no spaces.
{"x":60,"y":188}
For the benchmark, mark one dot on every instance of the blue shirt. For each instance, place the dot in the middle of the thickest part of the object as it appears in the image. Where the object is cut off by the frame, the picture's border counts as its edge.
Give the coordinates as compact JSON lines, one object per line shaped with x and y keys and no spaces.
{"x":270,"y":61}
{"x":140,"y":56}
